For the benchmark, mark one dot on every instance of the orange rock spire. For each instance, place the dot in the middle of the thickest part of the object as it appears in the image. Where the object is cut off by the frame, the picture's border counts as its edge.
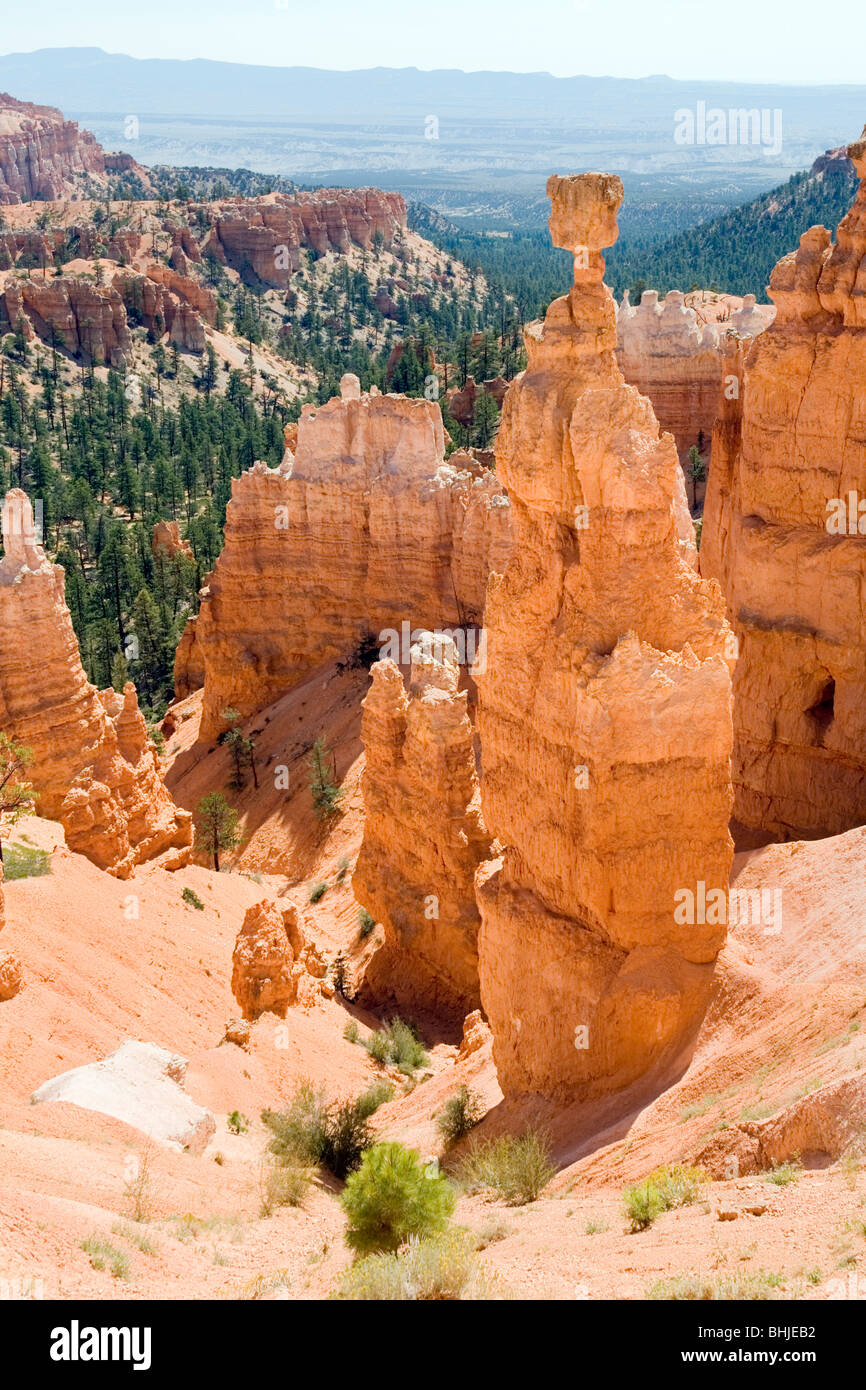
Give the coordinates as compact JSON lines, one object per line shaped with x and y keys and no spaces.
{"x":604,"y":713}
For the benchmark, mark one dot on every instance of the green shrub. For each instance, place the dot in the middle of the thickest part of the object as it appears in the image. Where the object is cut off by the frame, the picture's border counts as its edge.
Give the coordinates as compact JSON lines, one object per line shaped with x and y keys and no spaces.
{"x":325,"y":793}
{"x":716,"y":1287}
{"x":379,"y":1093}
{"x":318,"y":891}
{"x":343,"y":868}
{"x":397,"y":1045}
{"x":460,"y":1113}
{"x":193,"y":899}
{"x":390,"y":1197}
{"x":238,"y":1122}
{"x":103,"y":1253}
{"x":352,"y":1032}
{"x":310,"y":1130}
{"x":366,"y":923}
{"x":283,"y":1185}
{"x":23,"y":861}
{"x":782,"y":1174}
{"x":676,"y":1185}
{"x":517,"y":1168}
{"x":441,"y":1268}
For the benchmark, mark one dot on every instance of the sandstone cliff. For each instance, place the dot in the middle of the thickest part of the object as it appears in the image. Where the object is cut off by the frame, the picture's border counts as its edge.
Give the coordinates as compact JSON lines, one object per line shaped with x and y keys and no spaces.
{"x":94,"y":766}
{"x":784,"y":534}
{"x":678,"y":361}
{"x":366,"y":531}
{"x":604,"y":712}
{"x":42,"y":155}
{"x":88,"y":320}
{"x":423,"y":835}
{"x":264,"y":235}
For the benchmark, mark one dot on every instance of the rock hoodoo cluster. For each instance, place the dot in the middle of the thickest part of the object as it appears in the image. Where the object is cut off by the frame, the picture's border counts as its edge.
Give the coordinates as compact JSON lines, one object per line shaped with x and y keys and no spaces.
{"x":678,"y":362}
{"x":604,"y":712}
{"x":94,"y":766}
{"x":265,"y":235}
{"x":423,"y":834}
{"x":85,"y":319}
{"x":274,"y":965}
{"x":367,"y":529}
{"x":784,"y":531}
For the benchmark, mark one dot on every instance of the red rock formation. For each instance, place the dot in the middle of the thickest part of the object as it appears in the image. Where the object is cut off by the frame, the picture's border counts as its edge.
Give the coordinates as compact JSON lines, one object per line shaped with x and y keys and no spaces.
{"x":42,"y":155}
{"x":678,"y":362}
{"x":197,"y":296}
{"x":367,"y":530}
{"x":161,"y":310}
{"x":273,"y":964}
{"x":604,"y":712}
{"x":94,"y":767}
{"x":423,"y":835}
{"x":784,"y":536}
{"x":188,"y":663}
{"x":88,"y":320}
{"x":166,"y":538}
{"x":265,"y":235}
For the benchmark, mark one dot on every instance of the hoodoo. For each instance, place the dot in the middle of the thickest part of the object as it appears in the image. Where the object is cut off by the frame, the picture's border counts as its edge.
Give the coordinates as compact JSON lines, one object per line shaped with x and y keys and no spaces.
{"x":605,"y":711}
{"x":423,"y":834}
{"x":366,"y":528}
{"x":93,"y":766}
{"x":784,"y":532}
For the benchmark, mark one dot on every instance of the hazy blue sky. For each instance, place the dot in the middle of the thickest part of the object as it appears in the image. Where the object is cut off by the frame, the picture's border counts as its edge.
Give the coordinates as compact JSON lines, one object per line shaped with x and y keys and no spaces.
{"x":764,"y":40}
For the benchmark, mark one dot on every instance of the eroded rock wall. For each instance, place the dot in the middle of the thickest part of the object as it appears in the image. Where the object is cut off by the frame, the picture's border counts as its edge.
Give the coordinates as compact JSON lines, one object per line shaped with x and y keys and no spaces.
{"x":423,"y":835}
{"x":94,"y":767}
{"x":366,"y":530}
{"x":783,"y":534}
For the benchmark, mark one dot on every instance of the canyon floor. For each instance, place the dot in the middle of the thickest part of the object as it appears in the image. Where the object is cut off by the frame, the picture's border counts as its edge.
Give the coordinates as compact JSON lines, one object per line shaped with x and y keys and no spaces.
{"x":775,"y":1073}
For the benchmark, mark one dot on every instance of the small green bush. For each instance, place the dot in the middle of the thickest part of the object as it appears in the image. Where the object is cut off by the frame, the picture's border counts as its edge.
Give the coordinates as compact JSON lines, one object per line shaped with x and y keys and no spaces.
{"x":390,"y":1197}
{"x":103,"y":1253}
{"x":23,"y":861}
{"x":397,"y":1045}
{"x":343,"y":868}
{"x":310,"y":1130}
{"x":517,"y":1168}
{"x":442,"y":1268}
{"x":368,"y":1101}
{"x":193,"y":899}
{"x":460,"y":1113}
{"x":318,"y":891}
{"x":238,"y":1122}
{"x":716,"y":1287}
{"x":366,"y":923}
{"x":783,"y":1174}
{"x":283,"y":1185}
{"x":675,"y":1185}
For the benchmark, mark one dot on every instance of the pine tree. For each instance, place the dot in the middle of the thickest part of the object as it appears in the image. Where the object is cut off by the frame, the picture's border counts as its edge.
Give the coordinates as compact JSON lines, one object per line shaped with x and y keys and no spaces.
{"x":216,"y":827}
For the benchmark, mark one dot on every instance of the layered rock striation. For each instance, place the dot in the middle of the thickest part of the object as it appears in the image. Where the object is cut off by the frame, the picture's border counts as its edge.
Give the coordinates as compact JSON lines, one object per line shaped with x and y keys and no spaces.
{"x":94,"y":766}
{"x":423,"y":835}
{"x":604,"y":712}
{"x":264,"y":236}
{"x":87,"y":320}
{"x":42,"y":155}
{"x":678,"y":362}
{"x":785,"y":534}
{"x":365,"y":535}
